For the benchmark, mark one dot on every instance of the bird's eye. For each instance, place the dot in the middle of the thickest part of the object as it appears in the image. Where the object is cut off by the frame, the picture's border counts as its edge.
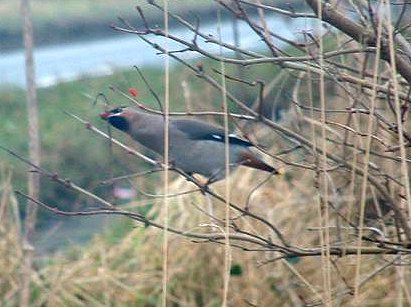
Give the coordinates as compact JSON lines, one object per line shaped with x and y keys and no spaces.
{"x":117,"y":110}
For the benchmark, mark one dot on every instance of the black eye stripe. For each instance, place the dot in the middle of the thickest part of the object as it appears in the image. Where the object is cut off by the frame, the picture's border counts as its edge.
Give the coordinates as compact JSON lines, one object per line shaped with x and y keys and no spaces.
{"x":117,"y":110}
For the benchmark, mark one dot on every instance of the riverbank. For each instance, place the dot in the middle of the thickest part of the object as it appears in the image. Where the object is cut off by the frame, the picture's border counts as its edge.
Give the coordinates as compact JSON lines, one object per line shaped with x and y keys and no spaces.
{"x":70,"y":61}
{"x":82,"y":26}
{"x":76,"y":20}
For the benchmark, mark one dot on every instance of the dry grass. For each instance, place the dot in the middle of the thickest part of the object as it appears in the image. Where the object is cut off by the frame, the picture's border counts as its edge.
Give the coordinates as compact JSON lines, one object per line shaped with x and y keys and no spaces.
{"x":318,"y":204}
{"x":10,"y":244}
{"x":129,"y":272}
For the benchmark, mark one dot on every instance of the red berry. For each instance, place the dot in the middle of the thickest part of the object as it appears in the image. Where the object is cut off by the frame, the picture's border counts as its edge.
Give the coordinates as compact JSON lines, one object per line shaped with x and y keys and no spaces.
{"x":133,"y":91}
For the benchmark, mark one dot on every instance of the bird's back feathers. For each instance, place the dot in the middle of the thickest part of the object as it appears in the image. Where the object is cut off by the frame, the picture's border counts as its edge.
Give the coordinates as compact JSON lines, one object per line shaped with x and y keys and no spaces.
{"x":197,"y":130}
{"x":195,"y":146}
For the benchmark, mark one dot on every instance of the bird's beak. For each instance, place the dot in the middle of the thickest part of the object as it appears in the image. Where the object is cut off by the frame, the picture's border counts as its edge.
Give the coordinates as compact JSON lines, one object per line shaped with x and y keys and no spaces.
{"x":104,"y":115}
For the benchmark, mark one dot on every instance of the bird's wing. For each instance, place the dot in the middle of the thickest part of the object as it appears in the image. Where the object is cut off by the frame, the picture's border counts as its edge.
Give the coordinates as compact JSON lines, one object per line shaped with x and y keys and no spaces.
{"x":197,"y":130}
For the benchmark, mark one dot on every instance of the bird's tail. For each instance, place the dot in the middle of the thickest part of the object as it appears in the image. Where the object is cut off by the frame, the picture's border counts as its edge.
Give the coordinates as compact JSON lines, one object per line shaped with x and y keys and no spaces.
{"x":248,"y":159}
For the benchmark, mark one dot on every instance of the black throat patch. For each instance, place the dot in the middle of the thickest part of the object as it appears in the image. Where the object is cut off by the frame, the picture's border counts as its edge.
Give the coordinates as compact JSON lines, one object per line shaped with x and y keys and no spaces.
{"x":119,"y":122}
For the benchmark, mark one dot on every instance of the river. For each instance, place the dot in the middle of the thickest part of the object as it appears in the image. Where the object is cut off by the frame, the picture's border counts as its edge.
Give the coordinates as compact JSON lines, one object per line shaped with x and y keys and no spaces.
{"x":71,"y":61}
{"x":66,"y":62}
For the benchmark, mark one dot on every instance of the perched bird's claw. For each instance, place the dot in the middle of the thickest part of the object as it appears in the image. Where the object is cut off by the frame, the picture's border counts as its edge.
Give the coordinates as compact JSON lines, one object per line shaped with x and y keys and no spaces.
{"x":204,"y":188}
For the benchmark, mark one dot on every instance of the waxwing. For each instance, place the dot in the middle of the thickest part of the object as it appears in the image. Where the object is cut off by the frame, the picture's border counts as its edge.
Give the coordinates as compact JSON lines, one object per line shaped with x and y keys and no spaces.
{"x":195,"y":146}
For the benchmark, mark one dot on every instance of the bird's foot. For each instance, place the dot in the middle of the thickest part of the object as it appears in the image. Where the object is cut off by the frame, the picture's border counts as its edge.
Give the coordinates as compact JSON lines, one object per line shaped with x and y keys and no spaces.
{"x":204,"y":188}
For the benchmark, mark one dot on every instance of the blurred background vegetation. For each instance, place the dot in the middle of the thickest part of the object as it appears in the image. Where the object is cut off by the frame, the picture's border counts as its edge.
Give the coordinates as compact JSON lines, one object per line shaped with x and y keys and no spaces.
{"x":65,"y":21}
{"x":60,"y":22}
{"x":67,"y":147}
{"x":110,"y":261}
{"x":71,"y":151}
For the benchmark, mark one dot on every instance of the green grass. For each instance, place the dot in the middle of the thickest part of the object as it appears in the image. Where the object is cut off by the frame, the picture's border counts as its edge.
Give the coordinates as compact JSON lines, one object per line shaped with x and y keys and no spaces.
{"x":67,"y":147}
{"x":73,"y":152}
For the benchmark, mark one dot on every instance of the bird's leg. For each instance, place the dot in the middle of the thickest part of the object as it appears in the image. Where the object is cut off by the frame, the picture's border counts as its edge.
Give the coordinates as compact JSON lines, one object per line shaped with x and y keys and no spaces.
{"x":220,"y":172}
{"x":190,"y":178}
{"x":211,"y":180}
{"x":204,"y":187}
{"x":215,"y":176}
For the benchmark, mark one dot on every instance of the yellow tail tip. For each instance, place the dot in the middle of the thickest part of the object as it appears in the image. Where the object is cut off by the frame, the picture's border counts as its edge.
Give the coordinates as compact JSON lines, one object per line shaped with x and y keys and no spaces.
{"x":280,"y":171}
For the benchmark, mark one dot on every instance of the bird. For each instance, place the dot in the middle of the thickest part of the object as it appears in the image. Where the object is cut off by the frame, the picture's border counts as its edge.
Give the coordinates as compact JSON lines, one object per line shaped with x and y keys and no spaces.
{"x":195,"y":147}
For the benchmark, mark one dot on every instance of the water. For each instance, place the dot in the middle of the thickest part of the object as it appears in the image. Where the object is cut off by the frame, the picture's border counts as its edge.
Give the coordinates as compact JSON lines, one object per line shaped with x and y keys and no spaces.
{"x":98,"y":57}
